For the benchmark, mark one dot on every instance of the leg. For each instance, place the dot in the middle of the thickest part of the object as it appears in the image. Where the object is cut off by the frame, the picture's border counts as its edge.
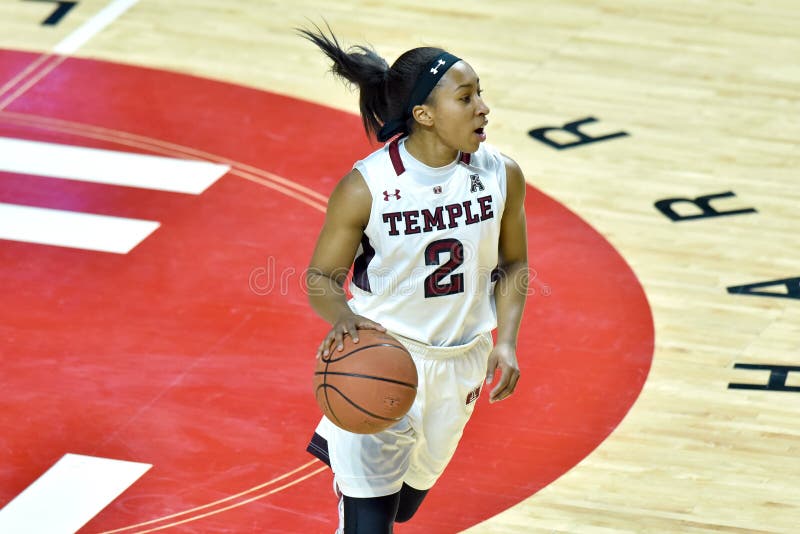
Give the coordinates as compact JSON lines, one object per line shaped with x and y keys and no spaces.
{"x":369,"y":472}
{"x":370,"y":515}
{"x":410,"y":499}
{"x":450,"y":381}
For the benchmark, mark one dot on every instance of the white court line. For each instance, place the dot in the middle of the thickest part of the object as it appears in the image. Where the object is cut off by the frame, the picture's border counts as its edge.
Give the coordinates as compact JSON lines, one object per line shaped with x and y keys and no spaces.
{"x":68,"y":495}
{"x":94,"y":25}
{"x":72,"y":229}
{"x":108,"y":166}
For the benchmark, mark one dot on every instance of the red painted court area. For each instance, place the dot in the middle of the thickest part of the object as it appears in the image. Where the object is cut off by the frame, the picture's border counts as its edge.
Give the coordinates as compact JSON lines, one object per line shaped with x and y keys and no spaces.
{"x":194,"y":351}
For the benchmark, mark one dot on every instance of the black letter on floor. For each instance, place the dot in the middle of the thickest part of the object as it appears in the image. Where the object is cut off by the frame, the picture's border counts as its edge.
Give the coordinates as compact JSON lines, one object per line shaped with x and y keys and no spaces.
{"x":704,"y":203}
{"x":777,"y":377}
{"x":573,"y":128}
{"x":56,"y":16}
{"x":792,"y":286}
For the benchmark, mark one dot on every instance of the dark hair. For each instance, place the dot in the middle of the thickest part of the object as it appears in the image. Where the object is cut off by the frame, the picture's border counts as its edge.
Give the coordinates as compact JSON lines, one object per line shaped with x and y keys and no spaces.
{"x":383,"y":90}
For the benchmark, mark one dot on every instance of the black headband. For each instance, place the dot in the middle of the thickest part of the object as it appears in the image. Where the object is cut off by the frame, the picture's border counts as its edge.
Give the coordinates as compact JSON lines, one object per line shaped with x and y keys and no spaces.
{"x":425,"y":83}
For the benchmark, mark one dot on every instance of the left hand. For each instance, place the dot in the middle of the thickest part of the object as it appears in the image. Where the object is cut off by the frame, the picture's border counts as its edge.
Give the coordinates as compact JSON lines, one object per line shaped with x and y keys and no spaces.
{"x":503,"y":357}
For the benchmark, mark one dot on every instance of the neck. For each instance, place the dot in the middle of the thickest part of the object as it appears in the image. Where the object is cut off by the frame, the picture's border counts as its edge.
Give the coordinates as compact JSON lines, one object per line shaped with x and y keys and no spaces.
{"x":430,"y":150}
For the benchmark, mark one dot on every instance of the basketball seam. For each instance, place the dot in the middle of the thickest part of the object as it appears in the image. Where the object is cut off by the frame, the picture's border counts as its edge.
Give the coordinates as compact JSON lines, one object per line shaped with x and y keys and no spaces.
{"x":365,"y":348}
{"x":356,"y":406}
{"x":357,"y":375}
{"x":324,"y":387}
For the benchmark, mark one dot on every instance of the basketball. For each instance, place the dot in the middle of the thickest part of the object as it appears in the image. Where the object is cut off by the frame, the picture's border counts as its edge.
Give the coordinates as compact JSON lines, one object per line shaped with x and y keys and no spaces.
{"x":368,"y":386}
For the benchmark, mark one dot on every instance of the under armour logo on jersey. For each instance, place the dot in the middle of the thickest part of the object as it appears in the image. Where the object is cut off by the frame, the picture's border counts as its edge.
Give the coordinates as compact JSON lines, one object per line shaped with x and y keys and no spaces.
{"x":435,"y":70}
{"x":387,"y":194}
{"x":475,"y":183}
{"x":437,"y":190}
{"x":473,"y":395}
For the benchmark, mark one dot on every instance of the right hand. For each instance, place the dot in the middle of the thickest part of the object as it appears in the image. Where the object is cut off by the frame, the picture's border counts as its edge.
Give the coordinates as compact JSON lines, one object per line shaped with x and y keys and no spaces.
{"x":346,"y":324}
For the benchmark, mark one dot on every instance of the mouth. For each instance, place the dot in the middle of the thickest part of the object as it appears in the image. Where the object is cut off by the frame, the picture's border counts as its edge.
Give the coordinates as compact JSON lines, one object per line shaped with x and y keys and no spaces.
{"x":480,"y":133}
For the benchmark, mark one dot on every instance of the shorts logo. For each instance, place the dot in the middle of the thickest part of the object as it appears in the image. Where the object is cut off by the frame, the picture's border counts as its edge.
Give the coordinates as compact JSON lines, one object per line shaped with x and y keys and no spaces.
{"x":387,"y":194}
{"x":473,"y":395}
{"x":475,"y":183}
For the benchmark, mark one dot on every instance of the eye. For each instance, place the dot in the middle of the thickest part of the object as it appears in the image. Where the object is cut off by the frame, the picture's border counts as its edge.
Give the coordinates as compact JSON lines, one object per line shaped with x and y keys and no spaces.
{"x":468,"y":97}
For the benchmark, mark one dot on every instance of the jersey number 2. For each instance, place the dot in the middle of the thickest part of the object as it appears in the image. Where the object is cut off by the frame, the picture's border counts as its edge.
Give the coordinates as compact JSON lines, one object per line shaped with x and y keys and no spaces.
{"x":434,"y":287}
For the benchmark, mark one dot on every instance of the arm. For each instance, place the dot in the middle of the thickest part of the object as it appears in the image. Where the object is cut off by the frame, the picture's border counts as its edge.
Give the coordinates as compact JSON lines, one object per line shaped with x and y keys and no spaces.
{"x":345,"y":220}
{"x":511,"y":289}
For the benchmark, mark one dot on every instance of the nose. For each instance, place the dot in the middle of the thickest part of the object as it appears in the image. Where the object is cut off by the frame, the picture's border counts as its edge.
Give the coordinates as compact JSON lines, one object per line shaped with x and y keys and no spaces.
{"x":483,"y":109}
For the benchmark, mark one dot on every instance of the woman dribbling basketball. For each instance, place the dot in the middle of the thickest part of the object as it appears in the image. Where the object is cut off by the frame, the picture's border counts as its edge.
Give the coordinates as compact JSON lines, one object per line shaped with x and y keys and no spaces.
{"x":433,"y":225}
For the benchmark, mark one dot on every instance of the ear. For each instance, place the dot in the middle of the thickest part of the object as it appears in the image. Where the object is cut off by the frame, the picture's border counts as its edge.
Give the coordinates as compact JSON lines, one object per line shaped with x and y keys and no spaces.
{"x":423,"y":115}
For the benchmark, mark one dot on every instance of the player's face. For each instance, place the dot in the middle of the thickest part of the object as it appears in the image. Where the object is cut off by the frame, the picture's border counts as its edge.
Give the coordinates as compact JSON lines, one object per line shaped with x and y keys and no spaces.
{"x":459,"y":110}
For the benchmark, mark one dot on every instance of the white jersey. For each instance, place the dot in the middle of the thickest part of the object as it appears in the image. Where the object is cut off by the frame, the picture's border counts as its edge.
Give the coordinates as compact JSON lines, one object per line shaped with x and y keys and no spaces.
{"x":428,"y":258}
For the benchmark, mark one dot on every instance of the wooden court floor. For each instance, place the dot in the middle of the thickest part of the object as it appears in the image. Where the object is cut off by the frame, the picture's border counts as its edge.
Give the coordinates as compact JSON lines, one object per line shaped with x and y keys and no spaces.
{"x":675,"y":135}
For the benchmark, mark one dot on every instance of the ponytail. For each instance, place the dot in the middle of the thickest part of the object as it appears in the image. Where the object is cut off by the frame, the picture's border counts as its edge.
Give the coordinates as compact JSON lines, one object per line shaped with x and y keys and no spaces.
{"x":361,"y":66}
{"x":385,"y":92}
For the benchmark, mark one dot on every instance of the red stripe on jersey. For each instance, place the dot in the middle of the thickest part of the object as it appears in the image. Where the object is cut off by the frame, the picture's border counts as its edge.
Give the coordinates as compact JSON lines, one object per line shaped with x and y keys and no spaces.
{"x":397,"y":162}
{"x":394,"y":153}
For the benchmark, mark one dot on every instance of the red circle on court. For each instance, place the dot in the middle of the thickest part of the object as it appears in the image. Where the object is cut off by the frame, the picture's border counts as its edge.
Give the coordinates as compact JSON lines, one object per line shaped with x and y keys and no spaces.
{"x":193,"y":352}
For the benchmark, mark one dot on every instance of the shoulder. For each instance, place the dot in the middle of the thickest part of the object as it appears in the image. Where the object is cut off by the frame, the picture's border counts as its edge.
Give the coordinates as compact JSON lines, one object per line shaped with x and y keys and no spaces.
{"x":373,"y":161}
{"x":351,"y":199}
{"x":490,"y":158}
{"x":486,"y":157}
{"x":352,"y":184}
{"x":515,"y":179}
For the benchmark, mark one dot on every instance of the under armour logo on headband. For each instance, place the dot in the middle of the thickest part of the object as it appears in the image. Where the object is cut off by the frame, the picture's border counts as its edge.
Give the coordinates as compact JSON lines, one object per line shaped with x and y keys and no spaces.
{"x":435,"y":70}
{"x":422,"y":88}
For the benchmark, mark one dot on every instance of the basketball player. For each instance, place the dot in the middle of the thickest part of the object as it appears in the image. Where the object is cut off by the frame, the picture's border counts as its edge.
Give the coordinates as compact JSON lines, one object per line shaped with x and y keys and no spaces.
{"x":433,"y":224}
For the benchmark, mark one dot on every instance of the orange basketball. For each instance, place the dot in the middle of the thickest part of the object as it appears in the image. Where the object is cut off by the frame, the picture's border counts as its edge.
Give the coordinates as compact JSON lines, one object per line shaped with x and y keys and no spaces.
{"x":367,"y":387}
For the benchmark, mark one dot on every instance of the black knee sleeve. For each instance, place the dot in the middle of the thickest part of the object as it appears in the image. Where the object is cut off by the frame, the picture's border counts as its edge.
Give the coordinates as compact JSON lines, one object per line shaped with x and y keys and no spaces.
{"x":373,"y":515}
{"x":410,"y":499}
{"x":376,"y":515}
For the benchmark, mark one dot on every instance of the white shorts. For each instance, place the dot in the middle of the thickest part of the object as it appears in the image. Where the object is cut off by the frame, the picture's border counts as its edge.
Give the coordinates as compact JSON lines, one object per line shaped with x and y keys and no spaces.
{"x":417,"y":449}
